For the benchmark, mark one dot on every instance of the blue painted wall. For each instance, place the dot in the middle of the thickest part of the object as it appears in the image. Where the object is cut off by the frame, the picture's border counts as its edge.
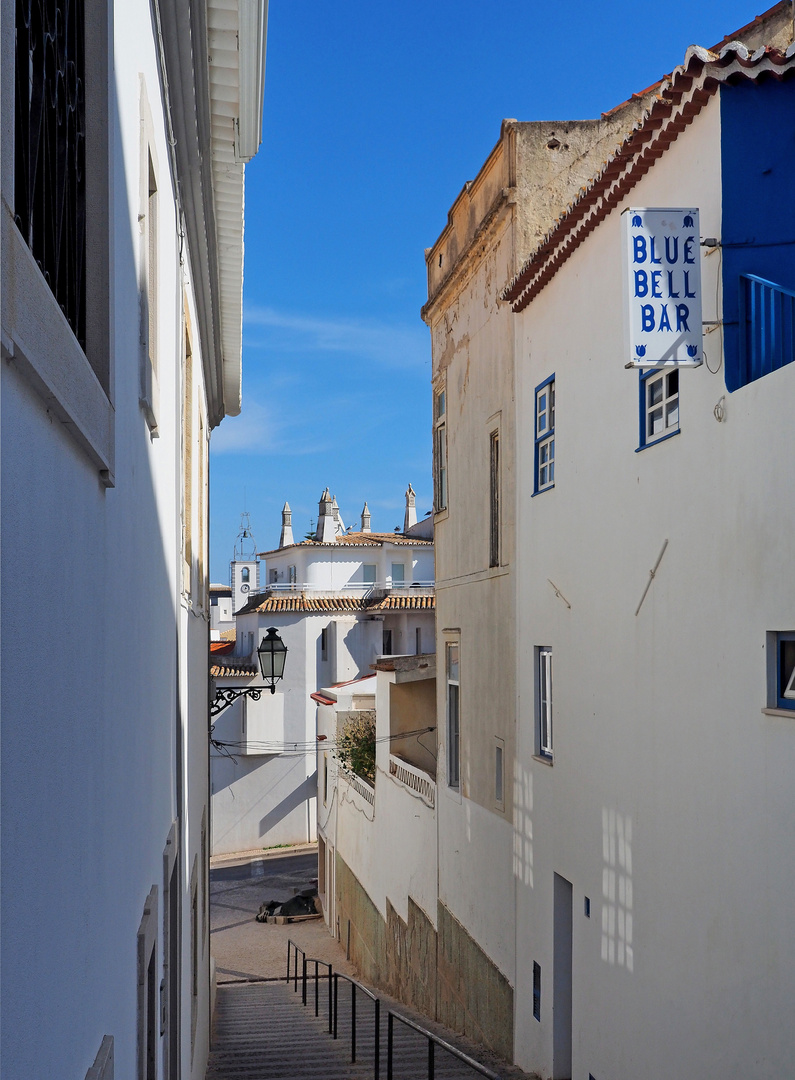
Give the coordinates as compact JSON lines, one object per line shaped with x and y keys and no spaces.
{"x":758,"y":182}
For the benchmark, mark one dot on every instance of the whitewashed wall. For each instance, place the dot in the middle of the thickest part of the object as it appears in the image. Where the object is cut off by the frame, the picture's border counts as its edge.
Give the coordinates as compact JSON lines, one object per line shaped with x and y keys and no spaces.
{"x":670,"y":802}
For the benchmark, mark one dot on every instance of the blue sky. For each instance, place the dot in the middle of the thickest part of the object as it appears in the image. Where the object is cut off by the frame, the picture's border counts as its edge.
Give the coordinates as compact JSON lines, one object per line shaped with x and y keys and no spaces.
{"x":375,"y":117}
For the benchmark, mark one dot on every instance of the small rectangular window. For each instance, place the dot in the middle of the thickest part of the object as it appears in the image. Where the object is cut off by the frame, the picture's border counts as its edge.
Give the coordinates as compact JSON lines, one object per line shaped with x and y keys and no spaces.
{"x":544,"y":701}
{"x":387,"y":643}
{"x":325,"y":777}
{"x":494,"y":499}
{"x":324,"y":644}
{"x":440,"y":452}
{"x":781,"y":670}
{"x":368,"y":573}
{"x":292,"y":575}
{"x":536,"y":991}
{"x":398,"y":573}
{"x":545,"y":435}
{"x":453,"y":717}
{"x":499,"y":773}
{"x":659,"y":405}
{"x":418,"y":641}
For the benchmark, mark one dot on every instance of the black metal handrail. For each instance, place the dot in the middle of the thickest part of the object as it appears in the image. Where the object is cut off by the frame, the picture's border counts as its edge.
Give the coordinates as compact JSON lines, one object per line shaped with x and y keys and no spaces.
{"x":433,"y":1042}
{"x":376,"y":1024}
{"x":333,"y":977}
{"x":294,"y":950}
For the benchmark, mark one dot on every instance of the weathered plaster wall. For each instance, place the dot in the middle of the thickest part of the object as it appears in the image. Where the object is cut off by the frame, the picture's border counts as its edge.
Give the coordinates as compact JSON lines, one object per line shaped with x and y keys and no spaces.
{"x":670,"y":801}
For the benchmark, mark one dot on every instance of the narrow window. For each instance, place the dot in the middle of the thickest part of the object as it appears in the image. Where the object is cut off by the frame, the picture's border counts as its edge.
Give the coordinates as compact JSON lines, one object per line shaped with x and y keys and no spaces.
{"x":499,"y":772}
{"x":387,"y":643}
{"x":440,"y":451}
{"x":50,"y":149}
{"x":536,"y":990}
{"x":187,"y":459}
{"x":781,"y":670}
{"x":494,"y":499}
{"x":368,"y":573}
{"x":292,"y":575}
{"x":418,"y":641}
{"x":148,"y":1027}
{"x":245,"y":574}
{"x":544,"y":701}
{"x":453,"y":718}
{"x":398,"y":573}
{"x":545,"y":436}
{"x":659,"y":405}
{"x":149,"y":297}
{"x":325,"y":777}
{"x":273,"y":575}
{"x":194,"y":957}
{"x":324,"y":644}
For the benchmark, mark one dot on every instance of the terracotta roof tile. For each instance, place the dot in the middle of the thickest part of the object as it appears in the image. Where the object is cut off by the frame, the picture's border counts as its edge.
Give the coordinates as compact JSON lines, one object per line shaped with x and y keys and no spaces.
{"x":232,"y":667}
{"x":217,"y":647}
{"x":278,"y":601}
{"x":357,"y":539}
{"x":682,"y":96}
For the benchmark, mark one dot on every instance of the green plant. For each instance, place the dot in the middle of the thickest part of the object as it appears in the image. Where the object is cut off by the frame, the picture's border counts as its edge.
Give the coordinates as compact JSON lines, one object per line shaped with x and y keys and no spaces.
{"x":356,"y":745}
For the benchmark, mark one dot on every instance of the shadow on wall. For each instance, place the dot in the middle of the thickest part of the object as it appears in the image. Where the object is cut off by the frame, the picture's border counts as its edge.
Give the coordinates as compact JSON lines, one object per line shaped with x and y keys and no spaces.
{"x":297,"y":797}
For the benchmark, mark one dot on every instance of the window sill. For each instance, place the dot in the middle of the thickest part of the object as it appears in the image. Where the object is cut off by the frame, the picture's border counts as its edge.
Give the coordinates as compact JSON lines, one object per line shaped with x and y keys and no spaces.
{"x":40,"y":344}
{"x":542,"y":491}
{"x":441,"y":515}
{"x":544,"y":760}
{"x":656,"y":442}
{"x":785,"y":714}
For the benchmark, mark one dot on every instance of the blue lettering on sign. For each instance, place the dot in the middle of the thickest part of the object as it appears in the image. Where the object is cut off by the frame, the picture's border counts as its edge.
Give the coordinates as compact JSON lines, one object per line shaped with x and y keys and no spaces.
{"x":688,"y":294}
{"x":651,"y":256}
{"x":646,"y":317}
{"x":689,"y":258}
{"x":655,"y":283}
{"x":641,"y":283}
{"x":668,"y":256}
{"x":640,"y":248}
{"x":665,"y":322}
{"x":682,"y":312}
{"x":671,"y":294}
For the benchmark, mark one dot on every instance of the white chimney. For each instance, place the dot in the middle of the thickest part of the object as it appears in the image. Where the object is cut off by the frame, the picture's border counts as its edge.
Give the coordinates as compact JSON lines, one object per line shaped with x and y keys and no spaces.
{"x":287,"y":526}
{"x":410,"y":517}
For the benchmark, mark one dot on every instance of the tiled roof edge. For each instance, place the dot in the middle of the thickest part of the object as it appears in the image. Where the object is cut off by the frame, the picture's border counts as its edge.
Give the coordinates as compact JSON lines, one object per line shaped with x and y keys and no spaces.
{"x":681,"y":98}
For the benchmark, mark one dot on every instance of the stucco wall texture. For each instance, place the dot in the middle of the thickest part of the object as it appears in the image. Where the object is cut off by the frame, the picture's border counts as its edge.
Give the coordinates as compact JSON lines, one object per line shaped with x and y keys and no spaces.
{"x":444,"y":975}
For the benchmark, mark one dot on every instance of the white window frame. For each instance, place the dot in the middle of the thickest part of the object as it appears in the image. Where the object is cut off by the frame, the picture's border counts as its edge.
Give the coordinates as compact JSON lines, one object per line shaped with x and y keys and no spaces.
{"x":544,"y":436}
{"x":453,"y":713}
{"x":666,"y":405}
{"x":544,"y":699}
{"x":440,"y":449}
{"x":781,"y":678}
{"x":400,"y":577}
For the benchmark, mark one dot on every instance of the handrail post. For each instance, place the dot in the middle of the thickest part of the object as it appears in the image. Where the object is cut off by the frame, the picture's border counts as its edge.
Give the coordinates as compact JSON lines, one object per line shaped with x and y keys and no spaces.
{"x":430,"y":1059}
{"x":336,"y":1001}
{"x":303,"y":982}
{"x":317,"y":990}
{"x":353,"y":1022}
{"x":389,"y":1025}
{"x":377,"y":1057}
{"x":330,"y":1010}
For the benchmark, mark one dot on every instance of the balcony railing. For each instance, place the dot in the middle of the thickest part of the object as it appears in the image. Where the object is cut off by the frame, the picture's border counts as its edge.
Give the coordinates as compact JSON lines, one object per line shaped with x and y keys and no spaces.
{"x":363,"y":588}
{"x":414,"y":779}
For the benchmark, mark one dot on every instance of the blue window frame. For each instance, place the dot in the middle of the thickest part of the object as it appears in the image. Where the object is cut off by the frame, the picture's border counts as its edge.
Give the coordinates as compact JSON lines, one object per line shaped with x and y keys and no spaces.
{"x":781,"y":670}
{"x":659,"y":405}
{"x":767,"y":328}
{"x":545,"y":436}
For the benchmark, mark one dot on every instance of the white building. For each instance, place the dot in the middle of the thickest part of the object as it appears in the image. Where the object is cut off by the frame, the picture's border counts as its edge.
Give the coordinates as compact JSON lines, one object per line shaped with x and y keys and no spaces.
{"x":655,"y":805}
{"x":121,"y":228}
{"x":338,"y":603}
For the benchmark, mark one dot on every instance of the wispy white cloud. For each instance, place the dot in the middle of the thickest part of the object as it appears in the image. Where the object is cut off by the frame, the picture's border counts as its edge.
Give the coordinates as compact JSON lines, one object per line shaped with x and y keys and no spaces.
{"x":254,"y":431}
{"x":383,"y":344}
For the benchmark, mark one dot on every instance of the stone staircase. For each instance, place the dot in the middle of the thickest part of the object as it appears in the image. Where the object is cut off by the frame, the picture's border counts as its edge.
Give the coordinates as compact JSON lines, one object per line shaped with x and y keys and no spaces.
{"x":261,"y":1031}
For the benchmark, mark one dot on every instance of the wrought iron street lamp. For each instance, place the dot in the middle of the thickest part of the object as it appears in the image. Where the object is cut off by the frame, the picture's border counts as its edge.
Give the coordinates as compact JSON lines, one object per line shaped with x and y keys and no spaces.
{"x":271,"y":653}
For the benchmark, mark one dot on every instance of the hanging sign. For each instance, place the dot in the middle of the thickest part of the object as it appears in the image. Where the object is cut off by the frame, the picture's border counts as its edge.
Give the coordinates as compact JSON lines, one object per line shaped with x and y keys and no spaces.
{"x":662,"y":288}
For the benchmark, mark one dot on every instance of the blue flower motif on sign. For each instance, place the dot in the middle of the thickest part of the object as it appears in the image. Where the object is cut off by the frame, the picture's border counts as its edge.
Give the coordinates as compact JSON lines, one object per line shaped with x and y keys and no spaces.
{"x":637,"y":221}
{"x":688,"y":224}
{"x":692,"y":350}
{"x":640,"y":350}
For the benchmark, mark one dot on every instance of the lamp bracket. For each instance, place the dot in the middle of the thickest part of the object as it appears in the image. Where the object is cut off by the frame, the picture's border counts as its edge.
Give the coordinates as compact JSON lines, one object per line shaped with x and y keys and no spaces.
{"x":226,"y":696}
